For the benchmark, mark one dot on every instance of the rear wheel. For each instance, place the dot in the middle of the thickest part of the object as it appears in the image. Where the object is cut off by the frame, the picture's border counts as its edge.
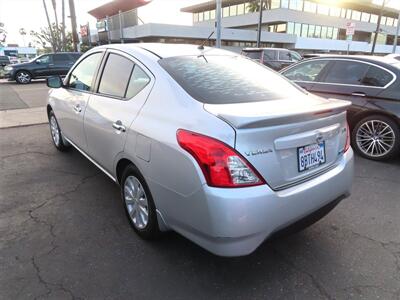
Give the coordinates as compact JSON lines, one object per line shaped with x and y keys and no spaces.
{"x":138,"y":202}
{"x":376,"y":137}
{"x":23,"y":77}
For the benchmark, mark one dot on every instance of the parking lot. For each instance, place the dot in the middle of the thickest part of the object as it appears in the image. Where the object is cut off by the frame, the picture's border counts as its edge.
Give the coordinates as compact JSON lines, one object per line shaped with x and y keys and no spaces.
{"x":64,"y":235}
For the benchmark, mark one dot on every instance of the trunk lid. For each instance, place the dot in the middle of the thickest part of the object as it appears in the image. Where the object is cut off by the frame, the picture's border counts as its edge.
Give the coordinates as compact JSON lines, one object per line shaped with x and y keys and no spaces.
{"x":284,"y":138}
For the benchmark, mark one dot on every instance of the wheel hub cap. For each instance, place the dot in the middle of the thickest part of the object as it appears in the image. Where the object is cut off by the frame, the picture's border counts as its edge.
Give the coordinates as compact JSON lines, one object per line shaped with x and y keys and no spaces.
{"x":55,"y":133}
{"x":375,"y":138}
{"x":136,"y":202}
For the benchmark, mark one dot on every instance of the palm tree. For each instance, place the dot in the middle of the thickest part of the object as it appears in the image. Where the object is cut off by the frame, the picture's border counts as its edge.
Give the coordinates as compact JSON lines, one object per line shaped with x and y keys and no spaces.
{"x":50,"y":28}
{"x":254,"y":5}
{"x":22,"y":32}
{"x":63,"y":24}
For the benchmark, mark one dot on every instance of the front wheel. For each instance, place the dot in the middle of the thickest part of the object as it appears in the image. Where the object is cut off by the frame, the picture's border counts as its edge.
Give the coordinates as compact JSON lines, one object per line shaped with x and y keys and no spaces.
{"x":139,"y":205}
{"x":376,"y":137}
{"x":23,"y":77}
{"x":56,"y":134}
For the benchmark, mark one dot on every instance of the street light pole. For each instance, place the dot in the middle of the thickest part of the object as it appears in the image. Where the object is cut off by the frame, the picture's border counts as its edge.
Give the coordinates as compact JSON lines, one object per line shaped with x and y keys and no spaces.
{"x":218,"y":23}
{"x":259,"y":24}
{"x":378,"y":26}
{"x":397,"y":34}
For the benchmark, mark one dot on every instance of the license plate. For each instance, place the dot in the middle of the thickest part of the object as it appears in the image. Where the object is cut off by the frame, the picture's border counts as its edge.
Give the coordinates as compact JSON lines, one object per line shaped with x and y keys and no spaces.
{"x":310,"y":156}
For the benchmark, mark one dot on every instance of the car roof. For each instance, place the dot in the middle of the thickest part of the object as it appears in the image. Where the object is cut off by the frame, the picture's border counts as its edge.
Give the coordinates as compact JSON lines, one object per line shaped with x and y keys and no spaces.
{"x":161,"y":50}
{"x":266,"y":48}
{"x":379,"y":60}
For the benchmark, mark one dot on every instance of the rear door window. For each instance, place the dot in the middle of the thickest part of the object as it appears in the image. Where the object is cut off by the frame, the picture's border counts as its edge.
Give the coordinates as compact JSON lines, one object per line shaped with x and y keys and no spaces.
{"x":377,"y":77}
{"x":270,"y":55}
{"x":61,"y":58}
{"x":284,"y":55}
{"x":137,"y":82}
{"x":115,"y":77}
{"x":347,"y":72}
{"x":308,"y":71}
{"x":252,"y":54}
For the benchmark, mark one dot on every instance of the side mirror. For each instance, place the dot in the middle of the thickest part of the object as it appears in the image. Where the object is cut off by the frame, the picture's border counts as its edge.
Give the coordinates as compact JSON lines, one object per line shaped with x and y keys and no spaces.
{"x":38,"y":61}
{"x":54,"y":82}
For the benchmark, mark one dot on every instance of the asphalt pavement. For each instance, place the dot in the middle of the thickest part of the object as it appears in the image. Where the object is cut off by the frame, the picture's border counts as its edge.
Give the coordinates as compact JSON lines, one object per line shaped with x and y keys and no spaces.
{"x":64,"y":235}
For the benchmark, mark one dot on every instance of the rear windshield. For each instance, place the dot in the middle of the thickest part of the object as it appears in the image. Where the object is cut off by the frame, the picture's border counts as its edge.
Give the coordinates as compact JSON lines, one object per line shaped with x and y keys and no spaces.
{"x":227,"y":79}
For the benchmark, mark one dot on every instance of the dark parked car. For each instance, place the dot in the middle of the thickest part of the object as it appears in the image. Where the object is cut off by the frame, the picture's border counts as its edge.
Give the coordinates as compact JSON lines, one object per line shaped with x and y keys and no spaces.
{"x":372,"y":84}
{"x":4,"y":60}
{"x":275,"y":58}
{"x":42,"y":66}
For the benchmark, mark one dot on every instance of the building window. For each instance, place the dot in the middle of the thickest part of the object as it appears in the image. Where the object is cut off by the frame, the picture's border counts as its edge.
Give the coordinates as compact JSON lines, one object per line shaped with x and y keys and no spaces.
{"x":212,"y":14}
{"x":240,"y":9}
{"x":290,"y":28}
{"x":281,"y":28}
{"x":323,"y":32}
{"x":233,"y":10}
{"x":335,"y":12}
{"x":329,"y":33}
{"x":383,"y":20}
{"x":317,"y":33}
{"x":297,"y":29}
{"x":323,"y":9}
{"x":310,"y":7}
{"x":356,"y":15}
{"x":335,"y":33}
{"x":374,"y":19}
{"x":225,"y":12}
{"x":389,"y":21}
{"x":285,"y":3}
{"x":348,"y":14}
{"x":207,"y":15}
{"x":343,"y":13}
{"x":311,"y":30}
{"x":304,"y":30}
{"x":365,"y":17}
{"x":201,"y":16}
{"x":296,"y":4}
{"x":275,"y":4}
{"x":195,"y":17}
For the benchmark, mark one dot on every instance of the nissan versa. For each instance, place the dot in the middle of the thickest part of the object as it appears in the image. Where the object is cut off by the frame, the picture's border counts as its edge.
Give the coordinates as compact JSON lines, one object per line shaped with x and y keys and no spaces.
{"x":204,"y":141}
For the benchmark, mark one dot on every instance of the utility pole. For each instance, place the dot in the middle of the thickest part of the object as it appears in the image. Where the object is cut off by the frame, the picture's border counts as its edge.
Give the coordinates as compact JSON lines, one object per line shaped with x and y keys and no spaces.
{"x":218,"y":23}
{"x":259,"y":24}
{"x":397,"y":34}
{"x":378,"y":27}
{"x":73,"y":24}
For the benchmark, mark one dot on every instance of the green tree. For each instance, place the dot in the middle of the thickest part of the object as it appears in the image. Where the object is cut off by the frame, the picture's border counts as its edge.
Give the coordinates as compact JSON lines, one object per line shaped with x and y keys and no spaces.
{"x":44,"y":38}
{"x":254,"y":5}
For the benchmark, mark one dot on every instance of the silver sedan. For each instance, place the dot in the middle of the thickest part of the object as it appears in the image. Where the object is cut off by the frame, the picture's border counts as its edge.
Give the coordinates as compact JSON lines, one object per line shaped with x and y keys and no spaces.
{"x":203,"y":141}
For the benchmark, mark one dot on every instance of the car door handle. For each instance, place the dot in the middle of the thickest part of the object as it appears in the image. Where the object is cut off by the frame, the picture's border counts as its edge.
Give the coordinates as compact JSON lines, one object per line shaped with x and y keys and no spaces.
{"x":359,"y":94}
{"x":77,"y":108}
{"x":118,"y":126}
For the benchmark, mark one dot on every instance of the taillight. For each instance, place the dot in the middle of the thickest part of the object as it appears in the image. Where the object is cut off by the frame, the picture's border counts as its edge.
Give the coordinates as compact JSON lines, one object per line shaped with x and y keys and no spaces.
{"x":347,"y":145}
{"x":222,"y":166}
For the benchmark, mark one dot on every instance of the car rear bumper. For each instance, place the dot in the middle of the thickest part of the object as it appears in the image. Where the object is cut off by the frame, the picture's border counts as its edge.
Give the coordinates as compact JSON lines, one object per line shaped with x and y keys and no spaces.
{"x":241,"y":219}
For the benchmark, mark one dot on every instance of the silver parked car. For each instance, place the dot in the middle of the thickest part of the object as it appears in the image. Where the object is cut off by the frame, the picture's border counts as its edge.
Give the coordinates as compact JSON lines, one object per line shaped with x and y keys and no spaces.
{"x":203,"y":141}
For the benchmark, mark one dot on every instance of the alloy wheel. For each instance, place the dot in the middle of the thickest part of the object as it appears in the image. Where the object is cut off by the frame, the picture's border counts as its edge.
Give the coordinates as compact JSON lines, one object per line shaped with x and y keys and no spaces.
{"x":136,"y":202}
{"x":23,"y":77}
{"x":55,"y":131}
{"x":375,"y":138}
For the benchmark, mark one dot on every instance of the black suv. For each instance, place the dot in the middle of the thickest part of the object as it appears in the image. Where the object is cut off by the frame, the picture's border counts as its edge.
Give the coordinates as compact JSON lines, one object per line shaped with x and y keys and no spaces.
{"x":42,"y":66}
{"x":275,"y":58}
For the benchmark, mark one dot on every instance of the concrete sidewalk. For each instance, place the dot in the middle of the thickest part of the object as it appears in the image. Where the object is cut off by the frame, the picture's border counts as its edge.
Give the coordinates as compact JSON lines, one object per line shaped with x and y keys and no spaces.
{"x":23,"y":117}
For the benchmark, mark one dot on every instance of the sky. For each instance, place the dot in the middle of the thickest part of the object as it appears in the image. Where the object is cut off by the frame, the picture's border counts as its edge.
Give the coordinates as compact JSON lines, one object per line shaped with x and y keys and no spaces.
{"x":29,"y":14}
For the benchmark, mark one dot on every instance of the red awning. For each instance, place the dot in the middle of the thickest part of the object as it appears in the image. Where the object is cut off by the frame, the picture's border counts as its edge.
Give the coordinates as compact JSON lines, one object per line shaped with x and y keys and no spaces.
{"x":112,"y":8}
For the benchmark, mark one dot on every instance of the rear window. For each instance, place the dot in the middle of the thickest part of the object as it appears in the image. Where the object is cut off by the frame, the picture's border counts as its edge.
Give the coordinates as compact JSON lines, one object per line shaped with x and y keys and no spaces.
{"x":227,"y":79}
{"x":252,"y":54}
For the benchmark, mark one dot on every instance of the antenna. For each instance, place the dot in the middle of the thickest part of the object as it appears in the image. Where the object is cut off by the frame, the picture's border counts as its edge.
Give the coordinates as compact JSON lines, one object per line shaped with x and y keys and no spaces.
{"x":201,"y":47}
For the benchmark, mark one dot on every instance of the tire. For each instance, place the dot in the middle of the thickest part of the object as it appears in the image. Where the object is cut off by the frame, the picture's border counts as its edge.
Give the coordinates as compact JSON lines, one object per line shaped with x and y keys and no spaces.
{"x":56,"y":135}
{"x":137,"y":200}
{"x":23,"y":77}
{"x":376,"y":137}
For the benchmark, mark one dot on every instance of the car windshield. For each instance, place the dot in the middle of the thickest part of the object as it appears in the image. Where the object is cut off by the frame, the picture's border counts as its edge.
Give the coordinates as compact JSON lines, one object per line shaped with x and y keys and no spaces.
{"x":227,"y":79}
